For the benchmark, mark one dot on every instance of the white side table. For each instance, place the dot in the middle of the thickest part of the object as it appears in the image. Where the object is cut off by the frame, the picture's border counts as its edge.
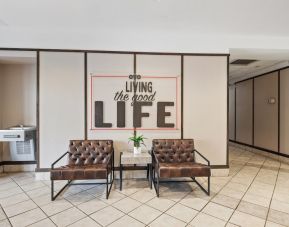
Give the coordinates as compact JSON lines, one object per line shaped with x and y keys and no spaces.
{"x":129,"y":158}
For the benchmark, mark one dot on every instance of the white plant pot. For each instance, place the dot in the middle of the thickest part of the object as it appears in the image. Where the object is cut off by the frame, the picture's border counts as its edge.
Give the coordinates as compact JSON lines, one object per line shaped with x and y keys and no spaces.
{"x":137,"y":150}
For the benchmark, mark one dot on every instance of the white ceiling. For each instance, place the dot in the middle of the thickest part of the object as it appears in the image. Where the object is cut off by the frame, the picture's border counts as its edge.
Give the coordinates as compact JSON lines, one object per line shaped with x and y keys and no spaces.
{"x":245,"y":17}
{"x":267,"y":60}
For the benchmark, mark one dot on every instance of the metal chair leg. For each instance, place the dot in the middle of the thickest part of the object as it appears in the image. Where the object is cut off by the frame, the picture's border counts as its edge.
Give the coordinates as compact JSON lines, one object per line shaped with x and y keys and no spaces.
{"x":208,"y":186}
{"x":52,"y":190}
{"x":107,"y":186}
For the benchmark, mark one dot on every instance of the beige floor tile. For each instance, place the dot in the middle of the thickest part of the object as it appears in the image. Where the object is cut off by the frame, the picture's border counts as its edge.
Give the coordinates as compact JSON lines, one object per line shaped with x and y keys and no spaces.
{"x":39,"y":192}
{"x":33,"y":185}
{"x":107,"y":215}
{"x":232,"y":193}
{"x":253,"y":209}
{"x":113,"y":197}
{"x":218,"y":211}
{"x":145,"y":214}
{"x":79,"y":198}
{"x":280,"y":206}
{"x":71,"y":190}
{"x":167,"y":221}
{"x":143,"y":196}
{"x":182,"y":212}
{"x":126,"y":221}
{"x":237,"y":186}
{"x":242,"y":219}
{"x":193,"y":202}
{"x":67,"y":217}
{"x":45,"y":199}
{"x":27,"y":218}
{"x":44,"y":223}
{"x":127,"y":204}
{"x":10,"y":192}
{"x":272,"y":224}
{"x":5,"y":179}
{"x":56,"y":207}
{"x":129,"y":190}
{"x":86,"y":222}
{"x":278,"y":217}
{"x":175,"y":196}
{"x":19,"y":208}
{"x":259,"y":200}
{"x":231,"y":225}
{"x":160,"y":203}
{"x":226,"y":201}
{"x":97,"y":191}
{"x":8,"y":201}
{"x":25,"y":181}
{"x":284,"y":197}
{"x":5,"y":223}
{"x":2,"y":215}
{"x":92,"y":206}
{"x":204,"y":220}
{"x":7,"y":186}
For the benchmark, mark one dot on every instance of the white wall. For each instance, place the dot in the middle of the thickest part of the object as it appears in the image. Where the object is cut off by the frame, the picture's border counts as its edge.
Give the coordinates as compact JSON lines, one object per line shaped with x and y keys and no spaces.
{"x":205,"y":105}
{"x":232,"y":112}
{"x":1,"y":109}
{"x":61,"y":103}
{"x":284,"y":111}
{"x":18,"y":97}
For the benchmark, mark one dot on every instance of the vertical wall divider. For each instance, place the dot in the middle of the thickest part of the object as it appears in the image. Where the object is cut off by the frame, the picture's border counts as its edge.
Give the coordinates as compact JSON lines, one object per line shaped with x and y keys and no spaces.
{"x":37,"y":109}
{"x":85,"y":95}
{"x":279,"y":105}
{"x":182,"y":96}
{"x":134,"y":92}
{"x":253,"y":111}
{"x":227,"y":140}
{"x":235,"y":113}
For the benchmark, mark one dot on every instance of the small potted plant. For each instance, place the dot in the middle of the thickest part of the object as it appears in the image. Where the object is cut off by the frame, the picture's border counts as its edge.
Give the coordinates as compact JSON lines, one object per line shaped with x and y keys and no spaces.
{"x":137,"y":142}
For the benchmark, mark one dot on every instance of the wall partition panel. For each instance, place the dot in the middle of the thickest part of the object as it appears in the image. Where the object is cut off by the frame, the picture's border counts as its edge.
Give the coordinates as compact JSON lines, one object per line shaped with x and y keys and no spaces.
{"x":244,"y":112}
{"x":205,"y":105}
{"x":266,"y":111}
{"x":284,"y":111}
{"x":232,"y":112}
{"x":164,"y":73}
{"x":61,"y":103}
{"x":107,"y":74}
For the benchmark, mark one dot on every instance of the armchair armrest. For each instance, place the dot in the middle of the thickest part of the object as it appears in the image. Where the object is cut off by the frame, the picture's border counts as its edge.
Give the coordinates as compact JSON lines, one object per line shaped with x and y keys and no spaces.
{"x":52,"y":165}
{"x":202,"y":156}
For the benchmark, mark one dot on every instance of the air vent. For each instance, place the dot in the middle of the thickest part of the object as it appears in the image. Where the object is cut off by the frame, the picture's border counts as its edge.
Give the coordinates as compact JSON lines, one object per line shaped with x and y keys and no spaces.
{"x":242,"y":62}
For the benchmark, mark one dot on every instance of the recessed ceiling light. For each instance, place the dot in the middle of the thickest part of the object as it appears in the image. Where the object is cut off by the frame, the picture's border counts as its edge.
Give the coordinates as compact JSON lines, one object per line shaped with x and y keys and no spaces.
{"x":243,"y":61}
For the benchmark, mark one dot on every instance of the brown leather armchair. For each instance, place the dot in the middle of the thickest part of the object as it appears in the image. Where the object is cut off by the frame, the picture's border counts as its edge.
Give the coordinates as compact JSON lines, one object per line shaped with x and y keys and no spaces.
{"x":87,"y":159}
{"x":173,"y":158}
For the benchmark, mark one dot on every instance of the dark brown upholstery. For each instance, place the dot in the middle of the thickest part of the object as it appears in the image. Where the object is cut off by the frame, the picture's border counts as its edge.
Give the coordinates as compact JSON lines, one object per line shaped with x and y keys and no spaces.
{"x":183,"y":169}
{"x":86,"y":159}
{"x":173,"y":158}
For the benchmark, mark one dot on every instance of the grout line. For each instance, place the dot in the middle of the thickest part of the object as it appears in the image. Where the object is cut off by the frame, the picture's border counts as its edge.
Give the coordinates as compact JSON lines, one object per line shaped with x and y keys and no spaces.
{"x":273,"y":192}
{"x":6,"y":216}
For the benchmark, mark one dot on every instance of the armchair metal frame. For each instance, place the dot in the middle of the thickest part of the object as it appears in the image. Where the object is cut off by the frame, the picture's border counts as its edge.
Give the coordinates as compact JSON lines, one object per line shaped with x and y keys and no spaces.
{"x":156,"y":180}
{"x":69,"y":182}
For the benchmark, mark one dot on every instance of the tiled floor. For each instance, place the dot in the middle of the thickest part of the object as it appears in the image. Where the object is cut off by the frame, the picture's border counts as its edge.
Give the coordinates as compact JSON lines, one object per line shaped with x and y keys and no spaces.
{"x":256,"y":193}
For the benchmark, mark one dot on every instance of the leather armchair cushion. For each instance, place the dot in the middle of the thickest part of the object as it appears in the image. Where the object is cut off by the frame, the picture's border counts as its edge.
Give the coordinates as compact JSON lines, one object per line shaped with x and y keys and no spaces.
{"x":89,"y":152}
{"x":73,"y":172}
{"x":183,"y":169}
{"x":174,"y":150}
